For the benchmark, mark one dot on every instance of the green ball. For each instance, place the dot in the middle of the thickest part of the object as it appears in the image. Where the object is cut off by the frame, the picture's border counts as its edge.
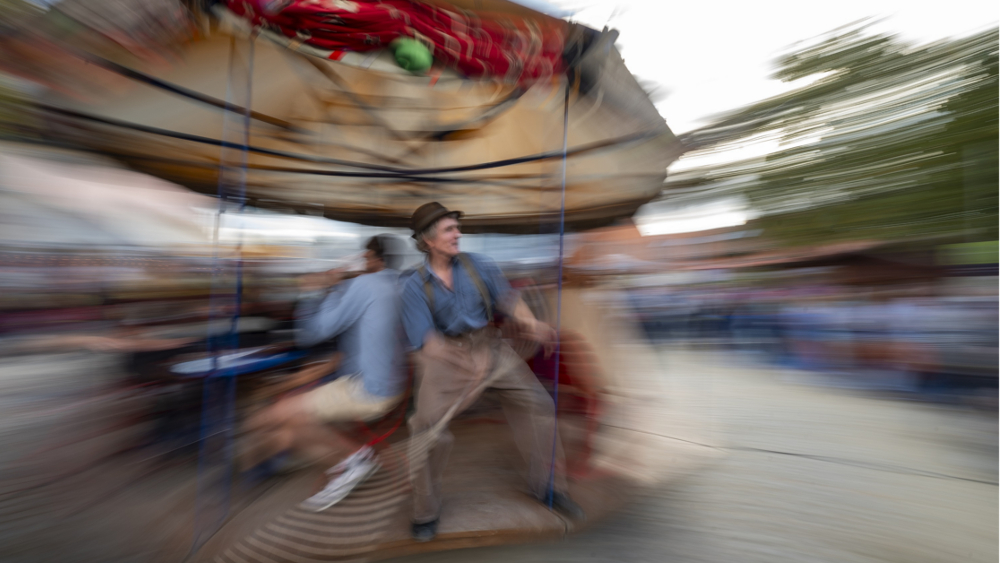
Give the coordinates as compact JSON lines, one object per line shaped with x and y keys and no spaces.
{"x":412,"y":55}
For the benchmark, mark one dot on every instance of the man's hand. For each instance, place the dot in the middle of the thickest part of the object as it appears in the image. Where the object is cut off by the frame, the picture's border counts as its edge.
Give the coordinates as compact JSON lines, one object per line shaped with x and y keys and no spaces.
{"x":534,"y":329}
{"x":543,"y":334}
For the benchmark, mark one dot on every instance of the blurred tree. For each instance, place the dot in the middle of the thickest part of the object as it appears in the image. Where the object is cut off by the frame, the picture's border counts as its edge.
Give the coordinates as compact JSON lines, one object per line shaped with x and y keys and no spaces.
{"x":886,"y":141}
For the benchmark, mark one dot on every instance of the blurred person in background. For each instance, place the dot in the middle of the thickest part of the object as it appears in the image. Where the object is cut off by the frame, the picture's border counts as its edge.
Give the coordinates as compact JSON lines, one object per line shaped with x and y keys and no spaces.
{"x":447,"y":310}
{"x":364,"y":313}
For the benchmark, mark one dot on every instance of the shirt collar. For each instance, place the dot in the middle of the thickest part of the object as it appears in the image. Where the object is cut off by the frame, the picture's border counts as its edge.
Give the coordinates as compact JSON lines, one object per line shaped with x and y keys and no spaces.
{"x":430,"y":271}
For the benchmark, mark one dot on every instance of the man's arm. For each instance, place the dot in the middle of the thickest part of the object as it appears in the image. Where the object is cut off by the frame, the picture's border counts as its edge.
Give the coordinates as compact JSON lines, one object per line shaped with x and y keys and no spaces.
{"x":320,"y":319}
{"x":522,"y":314}
{"x":505,"y":298}
{"x":527,"y":322}
{"x":508,"y":301}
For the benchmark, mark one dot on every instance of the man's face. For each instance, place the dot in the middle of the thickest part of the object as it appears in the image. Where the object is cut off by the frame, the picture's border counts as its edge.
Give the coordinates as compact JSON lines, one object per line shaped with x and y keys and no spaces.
{"x":373,"y":263}
{"x":445,"y":241}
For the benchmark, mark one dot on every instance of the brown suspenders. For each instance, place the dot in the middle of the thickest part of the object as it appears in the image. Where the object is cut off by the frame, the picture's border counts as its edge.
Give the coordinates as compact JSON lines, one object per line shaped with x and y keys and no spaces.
{"x":473,"y":274}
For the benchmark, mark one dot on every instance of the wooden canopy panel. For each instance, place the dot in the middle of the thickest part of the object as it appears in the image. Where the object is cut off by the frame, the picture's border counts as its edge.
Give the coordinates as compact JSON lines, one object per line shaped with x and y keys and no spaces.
{"x":370,"y":146}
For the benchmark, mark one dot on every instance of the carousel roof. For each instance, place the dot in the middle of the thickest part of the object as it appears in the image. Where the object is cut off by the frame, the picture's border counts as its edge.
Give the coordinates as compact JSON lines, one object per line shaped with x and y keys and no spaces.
{"x":363,"y":140}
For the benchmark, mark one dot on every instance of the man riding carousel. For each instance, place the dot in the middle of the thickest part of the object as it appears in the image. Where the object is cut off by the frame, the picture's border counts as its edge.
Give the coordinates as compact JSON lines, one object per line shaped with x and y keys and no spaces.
{"x":448,"y":305}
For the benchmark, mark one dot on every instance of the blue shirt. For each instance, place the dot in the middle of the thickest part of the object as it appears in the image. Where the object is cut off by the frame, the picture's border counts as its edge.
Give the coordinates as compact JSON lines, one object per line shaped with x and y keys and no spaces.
{"x":364,"y":312}
{"x":458,"y":310}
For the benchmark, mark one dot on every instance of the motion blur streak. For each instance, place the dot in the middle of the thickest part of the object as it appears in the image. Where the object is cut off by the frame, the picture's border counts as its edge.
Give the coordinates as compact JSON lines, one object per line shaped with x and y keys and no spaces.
{"x":790,"y":353}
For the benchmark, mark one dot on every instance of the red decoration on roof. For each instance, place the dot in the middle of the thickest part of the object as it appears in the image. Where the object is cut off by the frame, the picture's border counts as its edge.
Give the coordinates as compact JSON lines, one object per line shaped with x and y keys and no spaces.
{"x":501,"y":47}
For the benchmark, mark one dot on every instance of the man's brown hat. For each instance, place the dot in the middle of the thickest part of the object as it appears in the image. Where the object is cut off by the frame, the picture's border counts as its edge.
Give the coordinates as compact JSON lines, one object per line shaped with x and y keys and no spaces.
{"x":426,"y":214}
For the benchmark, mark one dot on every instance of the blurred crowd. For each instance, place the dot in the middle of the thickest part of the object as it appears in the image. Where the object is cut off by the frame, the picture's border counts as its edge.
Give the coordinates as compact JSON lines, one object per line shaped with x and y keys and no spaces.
{"x":907,"y":338}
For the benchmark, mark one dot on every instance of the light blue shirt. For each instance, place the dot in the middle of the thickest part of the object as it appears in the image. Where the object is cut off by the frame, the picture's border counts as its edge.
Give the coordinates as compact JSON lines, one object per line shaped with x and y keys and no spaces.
{"x":365,"y":313}
{"x":458,"y":310}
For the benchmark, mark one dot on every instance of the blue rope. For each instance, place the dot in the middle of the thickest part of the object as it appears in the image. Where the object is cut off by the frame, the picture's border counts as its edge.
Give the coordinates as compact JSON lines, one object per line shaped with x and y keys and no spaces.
{"x":154,"y":82}
{"x":227,"y":377}
{"x":559,"y":282}
{"x":414,"y":174}
{"x":234,"y":334}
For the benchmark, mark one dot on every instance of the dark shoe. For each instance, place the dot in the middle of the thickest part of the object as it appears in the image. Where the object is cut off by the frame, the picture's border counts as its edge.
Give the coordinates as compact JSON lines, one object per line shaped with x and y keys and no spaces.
{"x":565,"y":505}
{"x":424,"y":532}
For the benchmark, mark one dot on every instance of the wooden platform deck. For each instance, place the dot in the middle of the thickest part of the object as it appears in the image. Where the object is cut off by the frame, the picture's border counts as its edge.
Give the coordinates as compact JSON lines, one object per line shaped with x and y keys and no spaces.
{"x":485,"y":503}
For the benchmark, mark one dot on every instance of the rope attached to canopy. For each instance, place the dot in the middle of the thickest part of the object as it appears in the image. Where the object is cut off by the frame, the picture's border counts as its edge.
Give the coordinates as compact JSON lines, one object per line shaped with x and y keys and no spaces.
{"x":220,"y":411}
{"x":559,"y":286}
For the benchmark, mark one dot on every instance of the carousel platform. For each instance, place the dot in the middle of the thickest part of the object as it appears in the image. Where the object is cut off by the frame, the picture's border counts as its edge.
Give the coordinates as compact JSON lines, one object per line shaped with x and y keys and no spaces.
{"x":485,"y":503}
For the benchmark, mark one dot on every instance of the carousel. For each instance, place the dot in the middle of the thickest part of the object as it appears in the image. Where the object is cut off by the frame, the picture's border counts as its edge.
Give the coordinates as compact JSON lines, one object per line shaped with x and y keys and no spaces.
{"x":357,"y":111}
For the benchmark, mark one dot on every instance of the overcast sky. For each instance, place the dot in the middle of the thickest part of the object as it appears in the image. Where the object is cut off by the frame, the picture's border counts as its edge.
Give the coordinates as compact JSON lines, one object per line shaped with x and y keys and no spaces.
{"x":712,"y":56}
{"x":709,"y":57}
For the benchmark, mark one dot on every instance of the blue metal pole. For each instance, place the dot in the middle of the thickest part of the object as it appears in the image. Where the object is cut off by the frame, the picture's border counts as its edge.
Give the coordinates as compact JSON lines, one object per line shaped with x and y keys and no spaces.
{"x":559,"y":282}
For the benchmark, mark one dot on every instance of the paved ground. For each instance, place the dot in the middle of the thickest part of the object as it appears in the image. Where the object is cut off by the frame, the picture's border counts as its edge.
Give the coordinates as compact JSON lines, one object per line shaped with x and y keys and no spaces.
{"x":810,"y":473}
{"x":803,"y":473}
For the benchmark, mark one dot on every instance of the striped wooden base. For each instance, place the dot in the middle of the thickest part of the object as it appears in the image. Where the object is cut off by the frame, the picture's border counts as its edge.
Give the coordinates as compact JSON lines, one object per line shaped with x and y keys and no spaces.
{"x":486,"y":503}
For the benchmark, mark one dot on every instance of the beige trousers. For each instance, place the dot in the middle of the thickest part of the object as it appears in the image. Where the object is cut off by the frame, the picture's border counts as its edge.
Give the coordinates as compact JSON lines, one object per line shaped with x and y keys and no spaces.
{"x":444,"y":391}
{"x":345,"y":399}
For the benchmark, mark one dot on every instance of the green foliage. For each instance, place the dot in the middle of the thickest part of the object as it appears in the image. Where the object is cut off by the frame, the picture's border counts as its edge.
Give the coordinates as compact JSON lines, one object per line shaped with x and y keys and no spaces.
{"x":892,"y":141}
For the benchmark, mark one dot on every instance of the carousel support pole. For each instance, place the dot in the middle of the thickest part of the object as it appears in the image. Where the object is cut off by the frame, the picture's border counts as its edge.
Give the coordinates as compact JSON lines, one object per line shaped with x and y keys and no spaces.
{"x":559,"y":283}
{"x":215,"y":450}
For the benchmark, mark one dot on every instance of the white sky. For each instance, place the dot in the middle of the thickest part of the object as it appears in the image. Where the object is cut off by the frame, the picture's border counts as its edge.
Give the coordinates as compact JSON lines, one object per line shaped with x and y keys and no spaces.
{"x":712,"y":56}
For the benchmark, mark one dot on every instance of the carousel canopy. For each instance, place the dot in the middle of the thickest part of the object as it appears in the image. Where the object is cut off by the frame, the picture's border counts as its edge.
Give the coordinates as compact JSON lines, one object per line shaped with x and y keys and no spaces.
{"x":338,"y":127}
